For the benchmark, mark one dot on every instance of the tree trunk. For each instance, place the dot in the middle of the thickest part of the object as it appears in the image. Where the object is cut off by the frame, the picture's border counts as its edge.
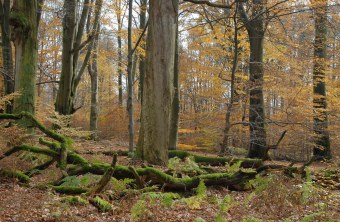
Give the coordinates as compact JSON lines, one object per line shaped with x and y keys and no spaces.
{"x":93,"y":71}
{"x":175,"y":104}
{"x":72,"y":36}
{"x":7,"y":50}
{"x":64,"y":97}
{"x":322,"y":142}
{"x":130,"y":80}
{"x":225,"y":142}
{"x":120,"y":57}
{"x":256,"y":30}
{"x":142,"y":24}
{"x":158,"y":82}
{"x":25,"y":28}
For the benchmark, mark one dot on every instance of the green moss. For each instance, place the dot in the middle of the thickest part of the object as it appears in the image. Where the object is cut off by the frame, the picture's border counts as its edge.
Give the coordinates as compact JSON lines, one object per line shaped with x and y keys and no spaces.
{"x":69,"y":189}
{"x":101,"y":204}
{"x":74,"y":200}
{"x":245,"y":162}
{"x":19,"y":19}
{"x":16,"y":174}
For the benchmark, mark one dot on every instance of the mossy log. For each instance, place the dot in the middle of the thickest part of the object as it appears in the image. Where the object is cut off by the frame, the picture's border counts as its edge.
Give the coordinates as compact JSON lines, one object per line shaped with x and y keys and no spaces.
{"x":69,"y":189}
{"x":15,"y":174}
{"x":216,"y":161}
{"x":101,"y":204}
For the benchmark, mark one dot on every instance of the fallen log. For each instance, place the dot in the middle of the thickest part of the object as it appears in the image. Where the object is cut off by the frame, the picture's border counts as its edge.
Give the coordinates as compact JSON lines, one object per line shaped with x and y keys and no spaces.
{"x":216,"y":161}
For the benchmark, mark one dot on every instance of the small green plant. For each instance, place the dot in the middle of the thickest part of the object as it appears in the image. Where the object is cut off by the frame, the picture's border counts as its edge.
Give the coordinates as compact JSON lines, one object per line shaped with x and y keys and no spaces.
{"x":307,"y":188}
{"x":194,"y":202}
{"x":139,"y":210}
{"x":74,"y":200}
{"x":311,"y":217}
{"x":233,"y":168}
{"x":120,"y":185}
{"x":166,"y":198}
{"x":224,"y":205}
{"x":259,"y":184}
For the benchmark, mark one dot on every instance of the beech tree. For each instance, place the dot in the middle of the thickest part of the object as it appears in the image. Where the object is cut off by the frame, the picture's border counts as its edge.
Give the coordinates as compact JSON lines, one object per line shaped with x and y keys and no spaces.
{"x":73,"y":32}
{"x":255,"y":26}
{"x":24,"y":21}
{"x":322,"y":142}
{"x":7,"y":56}
{"x":158,"y":82}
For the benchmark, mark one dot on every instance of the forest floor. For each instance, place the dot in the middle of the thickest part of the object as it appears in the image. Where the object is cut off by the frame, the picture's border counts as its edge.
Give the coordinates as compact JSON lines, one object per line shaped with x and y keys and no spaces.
{"x":278,"y":198}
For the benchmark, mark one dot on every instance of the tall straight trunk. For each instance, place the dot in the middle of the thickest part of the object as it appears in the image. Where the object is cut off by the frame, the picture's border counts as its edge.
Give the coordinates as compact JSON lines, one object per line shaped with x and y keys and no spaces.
{"x":5,"y":9}
{"x":225,"y":142}
{"x":322,"y":147}
{"x":93,"y":71}
{"x":256,"y":30}
{"x":142,"y":24}
{"x":25,"y":28}
{"x":120,"y":57}
{"x":158,"y":82}
{"x":175,"y":104}
{"x":130,"y":80}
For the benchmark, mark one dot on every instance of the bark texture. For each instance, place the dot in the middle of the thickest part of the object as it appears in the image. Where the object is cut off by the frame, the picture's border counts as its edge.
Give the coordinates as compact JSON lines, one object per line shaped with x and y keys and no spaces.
{"x":25,"y":27}
{"x":322,"y":142}
{"x":158,"y":82}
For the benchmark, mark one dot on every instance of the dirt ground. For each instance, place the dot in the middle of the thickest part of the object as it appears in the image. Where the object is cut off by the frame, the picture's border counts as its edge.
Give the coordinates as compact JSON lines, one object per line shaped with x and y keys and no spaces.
{"x":275,"y":203}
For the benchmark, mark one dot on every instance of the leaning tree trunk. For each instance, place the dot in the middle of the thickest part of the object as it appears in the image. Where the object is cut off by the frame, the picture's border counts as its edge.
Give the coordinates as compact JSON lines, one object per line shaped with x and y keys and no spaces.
{"x":322,"y":142}
{"x":256,"y":30}
{"x":7,"y":50}
{"x":158,"y":82}
{"x":25,"y":27}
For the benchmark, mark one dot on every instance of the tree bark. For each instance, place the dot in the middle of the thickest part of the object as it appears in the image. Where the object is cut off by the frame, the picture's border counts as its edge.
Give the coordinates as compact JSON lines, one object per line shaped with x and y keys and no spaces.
{"x":25,"y":28}
{"x":256,"y":30}
{"x":5,"y":9}
{"x":73,"y":32}
{"x":93,"y":71}
{"x":120,"y":56}
{"x":65,"y":94}
{"x":158,"y":82}
{"x":175,"y":104}
{"x":130,"y":80}
{"x":322,"y":142}
{"x":142,"y":24}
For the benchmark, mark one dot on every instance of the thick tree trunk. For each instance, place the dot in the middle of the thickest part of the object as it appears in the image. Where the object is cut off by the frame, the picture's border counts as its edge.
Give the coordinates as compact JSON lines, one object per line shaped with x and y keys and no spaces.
{"x":7,"y":50}
{"x":64,"y":98}
{"x":322,"y":142}
{"x":256,"y":29}
{"x":25,"y":28}
{"x":175,"y":104}
{"x":158,"y":82}
{"x":72,"y":45}
{"x":258,"y":141}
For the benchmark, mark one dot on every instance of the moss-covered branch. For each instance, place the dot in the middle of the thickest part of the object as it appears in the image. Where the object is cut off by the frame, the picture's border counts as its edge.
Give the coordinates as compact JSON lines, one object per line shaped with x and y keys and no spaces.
{"x":30,"y":148}
{"x":215,"y":161}
{"x":15,"y":174}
